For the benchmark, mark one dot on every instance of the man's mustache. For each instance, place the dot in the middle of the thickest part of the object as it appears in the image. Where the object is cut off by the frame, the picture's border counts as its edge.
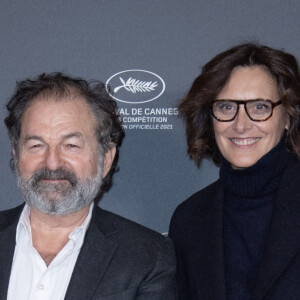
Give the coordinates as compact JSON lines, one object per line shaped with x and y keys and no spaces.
{"x":59,"y":174}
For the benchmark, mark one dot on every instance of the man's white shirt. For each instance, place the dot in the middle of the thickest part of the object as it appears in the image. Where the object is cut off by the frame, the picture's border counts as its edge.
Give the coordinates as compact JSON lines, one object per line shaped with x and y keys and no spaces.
{"x":30,"y":277}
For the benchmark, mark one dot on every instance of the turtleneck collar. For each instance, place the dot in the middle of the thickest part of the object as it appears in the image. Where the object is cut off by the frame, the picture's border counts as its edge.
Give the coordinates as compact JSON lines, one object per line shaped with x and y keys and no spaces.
{"x":258,"y":180}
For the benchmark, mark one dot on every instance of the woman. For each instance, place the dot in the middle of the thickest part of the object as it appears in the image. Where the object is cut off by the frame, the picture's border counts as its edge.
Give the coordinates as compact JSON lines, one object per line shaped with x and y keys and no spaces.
{"x":239,"y":238}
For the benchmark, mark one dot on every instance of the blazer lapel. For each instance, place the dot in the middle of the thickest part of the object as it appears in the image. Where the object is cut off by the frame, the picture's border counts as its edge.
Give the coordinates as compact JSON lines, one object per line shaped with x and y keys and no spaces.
{"x":94,"y":258}
{"x":283,"y":241}
{"x":7,"y":242}
{"x":208,"y":263}
{"x":8,"y":227}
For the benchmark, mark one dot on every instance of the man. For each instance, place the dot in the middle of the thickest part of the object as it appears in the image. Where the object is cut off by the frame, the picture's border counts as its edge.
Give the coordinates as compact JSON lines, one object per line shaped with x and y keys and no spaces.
{"x":65,"y":135}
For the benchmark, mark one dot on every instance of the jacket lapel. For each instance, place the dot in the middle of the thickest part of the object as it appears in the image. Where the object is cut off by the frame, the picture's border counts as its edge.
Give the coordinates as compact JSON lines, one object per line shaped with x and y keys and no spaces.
{"x":283,"y":241}
{"x":208,"y":262}
{"x":7,"y":242}
{"x":8,"y":227}
{"x":94,"y":258}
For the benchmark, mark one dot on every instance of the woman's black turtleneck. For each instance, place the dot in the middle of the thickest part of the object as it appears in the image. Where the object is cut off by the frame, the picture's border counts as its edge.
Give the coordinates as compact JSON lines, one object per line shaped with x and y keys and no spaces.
{"x":248,"y":203}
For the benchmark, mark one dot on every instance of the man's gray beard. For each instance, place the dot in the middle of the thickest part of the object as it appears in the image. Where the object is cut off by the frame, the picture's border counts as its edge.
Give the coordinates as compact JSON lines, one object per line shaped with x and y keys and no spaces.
{"x":59,"y":198}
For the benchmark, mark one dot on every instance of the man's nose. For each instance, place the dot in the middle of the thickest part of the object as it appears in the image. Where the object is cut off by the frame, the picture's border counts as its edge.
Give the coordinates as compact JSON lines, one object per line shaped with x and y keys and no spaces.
{"x":242,"y":122}
{"x":53,"y":159}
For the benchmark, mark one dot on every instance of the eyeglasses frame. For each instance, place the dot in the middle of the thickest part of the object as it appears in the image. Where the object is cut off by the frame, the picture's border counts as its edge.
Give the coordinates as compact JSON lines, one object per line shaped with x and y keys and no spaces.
{"x":244,"y":102}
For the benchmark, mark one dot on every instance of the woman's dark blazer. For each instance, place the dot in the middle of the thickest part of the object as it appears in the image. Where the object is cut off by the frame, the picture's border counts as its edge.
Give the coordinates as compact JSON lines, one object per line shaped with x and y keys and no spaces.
{"x":197,"y":231}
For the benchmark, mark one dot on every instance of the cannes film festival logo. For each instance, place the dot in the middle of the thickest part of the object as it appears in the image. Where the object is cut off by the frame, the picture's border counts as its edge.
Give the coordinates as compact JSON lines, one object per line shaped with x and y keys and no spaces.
{"x":135,"y":86}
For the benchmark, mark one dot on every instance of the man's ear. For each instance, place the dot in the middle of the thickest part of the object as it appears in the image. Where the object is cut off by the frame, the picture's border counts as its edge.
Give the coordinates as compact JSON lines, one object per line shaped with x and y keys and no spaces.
{"x":108,"y":160}
{"x":14,"y":153}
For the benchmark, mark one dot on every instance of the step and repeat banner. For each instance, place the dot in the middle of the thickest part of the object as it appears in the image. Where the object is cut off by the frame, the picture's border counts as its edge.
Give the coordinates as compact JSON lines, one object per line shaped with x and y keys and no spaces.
{"x":149,"y":53}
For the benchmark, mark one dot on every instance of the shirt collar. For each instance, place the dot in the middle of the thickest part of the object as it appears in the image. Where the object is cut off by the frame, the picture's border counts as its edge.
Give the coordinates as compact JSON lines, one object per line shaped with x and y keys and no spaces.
{"x":77,"y":235}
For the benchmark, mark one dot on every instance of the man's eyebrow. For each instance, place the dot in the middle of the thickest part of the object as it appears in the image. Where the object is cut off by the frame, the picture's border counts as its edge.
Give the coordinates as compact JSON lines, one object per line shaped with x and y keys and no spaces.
{"x":65,"y":137}
{"x":33,"y":137}
{"x":72,"y":135}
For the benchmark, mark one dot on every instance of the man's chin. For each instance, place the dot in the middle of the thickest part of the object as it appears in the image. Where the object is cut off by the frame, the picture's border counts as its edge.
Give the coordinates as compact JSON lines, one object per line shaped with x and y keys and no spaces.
{"x":52,"y":206}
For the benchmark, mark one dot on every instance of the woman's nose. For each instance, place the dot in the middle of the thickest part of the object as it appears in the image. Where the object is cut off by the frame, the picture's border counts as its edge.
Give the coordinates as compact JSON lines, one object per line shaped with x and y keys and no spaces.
{"x":242,"y":122}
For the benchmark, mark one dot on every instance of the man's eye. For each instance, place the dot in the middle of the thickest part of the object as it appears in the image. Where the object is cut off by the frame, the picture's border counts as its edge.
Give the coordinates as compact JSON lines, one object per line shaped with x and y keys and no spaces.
{"x":72,"y":146}
{"x":35,"y":146}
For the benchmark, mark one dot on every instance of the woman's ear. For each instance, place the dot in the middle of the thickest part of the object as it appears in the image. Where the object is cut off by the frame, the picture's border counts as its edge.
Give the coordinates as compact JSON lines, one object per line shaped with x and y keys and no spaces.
{"x":287,"y":124}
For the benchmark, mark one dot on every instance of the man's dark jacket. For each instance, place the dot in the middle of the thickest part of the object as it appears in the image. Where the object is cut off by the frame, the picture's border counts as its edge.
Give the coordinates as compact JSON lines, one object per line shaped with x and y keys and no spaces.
{"x":119,"y":260}
{"x":197,"y":231}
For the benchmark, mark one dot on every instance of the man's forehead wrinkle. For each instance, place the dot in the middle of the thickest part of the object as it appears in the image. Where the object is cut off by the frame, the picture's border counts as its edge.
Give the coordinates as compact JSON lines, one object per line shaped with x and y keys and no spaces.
{"x":73,"y":135}
{"x":32,"y":137}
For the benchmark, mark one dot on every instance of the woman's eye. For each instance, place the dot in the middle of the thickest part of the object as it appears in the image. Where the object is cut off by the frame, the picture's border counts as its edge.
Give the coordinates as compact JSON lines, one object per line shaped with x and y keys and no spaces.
{"x":225,"y":106}
{"x":261,"y":106}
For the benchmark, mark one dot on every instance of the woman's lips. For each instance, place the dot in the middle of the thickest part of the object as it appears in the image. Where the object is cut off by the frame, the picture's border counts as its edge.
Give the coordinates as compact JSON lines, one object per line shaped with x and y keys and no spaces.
{"x":244,"y":141}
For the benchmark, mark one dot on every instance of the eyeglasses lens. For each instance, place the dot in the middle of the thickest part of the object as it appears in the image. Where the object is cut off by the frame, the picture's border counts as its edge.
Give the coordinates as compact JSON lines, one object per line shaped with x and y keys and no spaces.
{"x":257,"y":109}
{"x":224,"y":110}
